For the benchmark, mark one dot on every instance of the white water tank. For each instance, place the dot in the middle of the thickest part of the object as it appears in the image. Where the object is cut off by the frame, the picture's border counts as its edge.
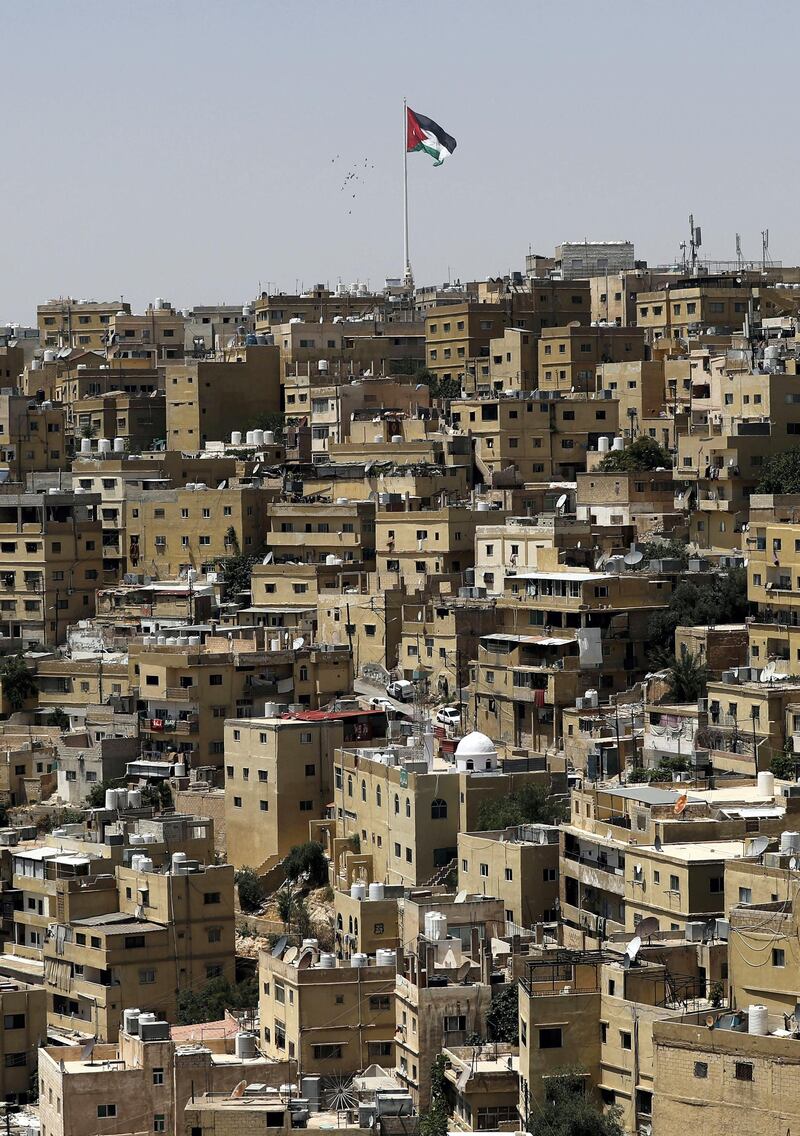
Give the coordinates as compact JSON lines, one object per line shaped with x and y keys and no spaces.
{"x":435,"y":926}
{"x":180,"y":769}
{"x":134,"y":798}
{"x":358,"y":890}
{"x":397,"y":439}
{"x":271,"y":709}
{"x":269,"y":437}
{"x":322,"y":366}
{"x":376,"y":891}
{"x":136,"y":860}
{"x":236,"y":437}
{"x":194,"y":640}
{"x":385,"y":957}
{"x":483,"y":507}
{"x":602,"y":444}
{"x":310,"y":944}
{"x":86,"y":445}
{"x":358,"y":960}
{"x":790,"y":843}
{"x":145,"y":864}
{"x":111,"y":798}
{"x":618,"y":443}
{"x":258,"y":437}
{"x":178,"y":863}
{"x":49,"y":355}
{"x":766,"y":784}
{"x":274,"y":644}
{"x":119,"y":445}
{"x":757,"y":1020}
{"x":245,"y":1046}
{"x":103,"y":446}
{"x":249,"y":437}
{"x":327,"y":961}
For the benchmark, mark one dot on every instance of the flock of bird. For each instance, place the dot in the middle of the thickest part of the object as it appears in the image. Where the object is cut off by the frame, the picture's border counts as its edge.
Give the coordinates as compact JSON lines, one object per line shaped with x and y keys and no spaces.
{"x":356,"y":174}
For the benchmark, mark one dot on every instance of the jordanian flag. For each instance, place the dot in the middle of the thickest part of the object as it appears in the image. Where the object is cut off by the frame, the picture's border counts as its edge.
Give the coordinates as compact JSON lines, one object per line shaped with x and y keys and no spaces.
{"x":424,"y":134}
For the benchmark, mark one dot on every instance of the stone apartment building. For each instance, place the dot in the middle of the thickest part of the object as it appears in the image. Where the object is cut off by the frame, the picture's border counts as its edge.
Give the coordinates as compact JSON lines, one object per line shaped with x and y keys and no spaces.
{"x":77,"y":323}
{"x":22,"y":1006}
{"x":51,"y":554}
{"x":144,"y":1081}
{"x":32,"y":437}
{"x":642,"y":501}
{"x":314,"y":531}
{"x":155,"y":335}
{"x":186,"y":691}
{"x":568,"y":357}
{"x":517,"y":865}
{"x":273,"y":309}
{"x":139,"y":419}
{"x":333,"y":1017}
{"x":153,"y":935}
{"x":416,"y":546}
{"x":278,"y":777}
{"x":209,"y":399}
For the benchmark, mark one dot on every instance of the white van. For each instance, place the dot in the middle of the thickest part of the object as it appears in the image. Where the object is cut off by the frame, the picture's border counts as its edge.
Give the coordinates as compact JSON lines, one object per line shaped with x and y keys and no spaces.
{"x":402,"y":690}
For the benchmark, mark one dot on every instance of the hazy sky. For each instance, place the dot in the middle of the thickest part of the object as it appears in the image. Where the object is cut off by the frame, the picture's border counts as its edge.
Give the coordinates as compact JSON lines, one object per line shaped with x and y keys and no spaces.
{"x":183,"y":148}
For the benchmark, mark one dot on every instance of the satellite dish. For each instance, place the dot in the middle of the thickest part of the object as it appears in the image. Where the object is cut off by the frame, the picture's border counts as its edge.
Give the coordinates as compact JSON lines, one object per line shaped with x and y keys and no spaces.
{"x":268,"y":558}
{"x":793,"y":863}
{"x":290,"y":955}
{"x":633,"y":558}
{"x":542,"y":836}
{"x":647,"y":927}
{"x":280,"y":946}
{"x":238,"y":1090}
{"x":461,"y":897}
{"x":746,"y":561}
{"x":633,"y":948}
{"x":755,"y":848}
{"x":305,"y":960}
{"x":711,"y":1021}
{"x":657,"y":844}
{"x":561,"y":502}
{"x":298,"y":643}
{"x":680,"y":805}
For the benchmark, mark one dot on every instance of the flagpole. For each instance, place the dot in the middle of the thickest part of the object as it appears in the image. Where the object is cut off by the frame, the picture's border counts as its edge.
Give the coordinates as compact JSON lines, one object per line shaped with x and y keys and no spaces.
{"x":406,"y":259}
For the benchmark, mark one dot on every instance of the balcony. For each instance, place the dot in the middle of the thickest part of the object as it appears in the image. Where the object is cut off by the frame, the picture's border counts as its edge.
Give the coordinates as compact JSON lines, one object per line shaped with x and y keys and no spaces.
{"x":180,"y":693}
{"x":591,"y":873}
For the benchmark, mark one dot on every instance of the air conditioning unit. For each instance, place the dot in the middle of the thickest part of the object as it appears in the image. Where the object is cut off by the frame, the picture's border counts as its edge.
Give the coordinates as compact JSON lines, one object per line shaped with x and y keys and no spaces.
{"x":694,"y":931}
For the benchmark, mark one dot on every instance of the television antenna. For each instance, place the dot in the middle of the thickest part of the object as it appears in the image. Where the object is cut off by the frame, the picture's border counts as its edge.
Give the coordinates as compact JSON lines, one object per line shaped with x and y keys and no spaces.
{"x":695,"y":241}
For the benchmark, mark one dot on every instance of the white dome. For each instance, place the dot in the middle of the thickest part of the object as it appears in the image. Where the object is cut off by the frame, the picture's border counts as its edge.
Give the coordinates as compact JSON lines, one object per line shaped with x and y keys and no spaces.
{"x":476,"y":744}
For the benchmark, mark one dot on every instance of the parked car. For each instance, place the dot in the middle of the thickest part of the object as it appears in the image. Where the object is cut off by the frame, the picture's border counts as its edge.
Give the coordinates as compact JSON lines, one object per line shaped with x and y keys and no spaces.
{"x":402,"y":690}
{"x":448,"y":716}
{"x":381,"y":704}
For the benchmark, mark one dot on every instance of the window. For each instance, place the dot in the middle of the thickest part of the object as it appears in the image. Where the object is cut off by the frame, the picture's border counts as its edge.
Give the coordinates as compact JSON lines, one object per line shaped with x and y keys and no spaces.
{"x":159,"y":1122}
{"x":455,"y":1023}
{"x":15,"y":1059}
{"x":306,"y":806}
{"x":743,"y":1071}
{"x":483,"y":869}
{"x":146,"y":977}
{"x":211,"y":897}
{"x":745,"y":895}
{"x":133,"y":942}
{"x":237,"y":802}
{"x":438,"y":809}
{"x":778,"y":956}
{"x":549,"y":874}
{"x":674,"y":883}
{"x":158,"y":1076}
{"x":550,"y":1037}
{"x":327,"y":1052}
{"x":13,"y":1021}
{"x":106,"y":1110}
{"x":214,"y":934}
{"x":215,"y":680}
{"x":380,"y":1002}
{"x":624,"y":1039}
{"x":716,"y":884}
{"x":700,"y":1069}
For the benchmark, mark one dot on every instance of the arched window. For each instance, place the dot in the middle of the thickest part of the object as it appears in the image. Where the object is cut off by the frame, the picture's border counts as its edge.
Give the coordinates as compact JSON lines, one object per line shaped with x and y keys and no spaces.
{"x":339,"y":924}
{"x":355,"y":925}
{"x":349,"y":786}
{"x":363,"y":790}
{"x":378,"y":795}
{"x":350,"y":925}
{"x":438,"y":809}
{"x":408,"y":807}
{"x":397,"y":803}
{"x":470,"y":763}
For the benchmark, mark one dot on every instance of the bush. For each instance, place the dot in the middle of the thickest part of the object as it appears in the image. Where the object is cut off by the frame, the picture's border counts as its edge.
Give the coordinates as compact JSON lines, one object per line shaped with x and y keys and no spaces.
{"x":210,"y":1003}
{"x":722,"y":600}
{"x":784,"y":766}
{"x":17,"y":681}
{"x":529,"y":805}
{"x":502,"y":1020}
{"x":781,"y":473}
{"x":571,"y":1112}
{"x":251,"y":889}
{"x":642,"y":454}
{"x":309,"y":862}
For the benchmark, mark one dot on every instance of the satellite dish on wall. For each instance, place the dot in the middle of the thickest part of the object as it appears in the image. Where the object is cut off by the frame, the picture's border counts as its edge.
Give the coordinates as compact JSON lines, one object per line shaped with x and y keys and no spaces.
{"x":647,"y":927}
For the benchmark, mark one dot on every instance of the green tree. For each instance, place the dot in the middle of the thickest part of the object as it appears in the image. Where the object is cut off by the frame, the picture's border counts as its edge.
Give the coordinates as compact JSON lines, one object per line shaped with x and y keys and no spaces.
{"x":722,"y":600}
{"x":784,"y":766}
{"x":642,"y":454}
{"x":532,"y":804}
{"x":664,"y":548}
{"x":285,"y":902}
{"x":436,"y":1122}
{"x":269,"y":420}
{"x":58,"y":718}
{"x":210,"y":1003}
{"x":251,"y":889}
{"x":569,"y":1111}
{"x":502,"y":1019}
{"x":687,"y":677}
{"x":157,"y":796}
{"x":96,"y":797}
{"x":309,"y":862}
{"x":781,"y":473}
{"x":17,"y":681}
{"x":236,"y":573}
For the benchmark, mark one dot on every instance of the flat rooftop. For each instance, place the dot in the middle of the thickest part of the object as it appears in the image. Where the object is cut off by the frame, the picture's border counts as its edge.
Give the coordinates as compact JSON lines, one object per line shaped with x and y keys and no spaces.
{"x":702,"y":850}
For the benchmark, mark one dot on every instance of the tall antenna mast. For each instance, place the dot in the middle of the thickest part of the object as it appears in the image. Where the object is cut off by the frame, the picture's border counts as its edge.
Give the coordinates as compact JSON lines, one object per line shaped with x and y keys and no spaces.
{"x":739,"y":257}
{"x":764,"y":249}
{"x":695,"y":240}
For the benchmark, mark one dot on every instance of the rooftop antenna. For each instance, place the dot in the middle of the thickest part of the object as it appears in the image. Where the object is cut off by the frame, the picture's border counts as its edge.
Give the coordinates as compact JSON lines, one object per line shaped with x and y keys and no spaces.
{"x":764,"y":249}
{"x":695,"y":241}
{"x":739,"y":257}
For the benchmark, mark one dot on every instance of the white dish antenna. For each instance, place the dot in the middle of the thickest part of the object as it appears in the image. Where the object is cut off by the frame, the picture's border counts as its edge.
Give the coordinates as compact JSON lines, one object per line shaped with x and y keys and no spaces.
{"x":633,"y":948}
{"x":298,"y":643}
{"x":633,"y":558}
{"x":755,"y":848}
{"x":561,"y":502}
